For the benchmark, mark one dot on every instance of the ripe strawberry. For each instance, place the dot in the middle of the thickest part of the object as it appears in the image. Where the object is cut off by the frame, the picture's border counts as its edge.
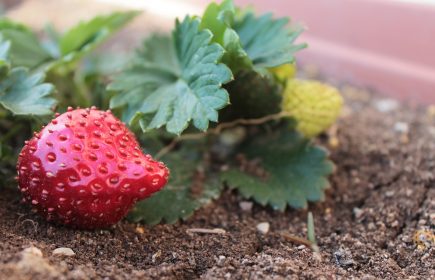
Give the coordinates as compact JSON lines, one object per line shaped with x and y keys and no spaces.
{"x":85,"y":169}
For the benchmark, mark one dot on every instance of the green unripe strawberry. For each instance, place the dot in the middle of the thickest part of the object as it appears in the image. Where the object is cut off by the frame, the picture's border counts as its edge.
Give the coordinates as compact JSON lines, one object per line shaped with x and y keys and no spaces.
{"x":284,"y":72}
{"x":314,"y":105}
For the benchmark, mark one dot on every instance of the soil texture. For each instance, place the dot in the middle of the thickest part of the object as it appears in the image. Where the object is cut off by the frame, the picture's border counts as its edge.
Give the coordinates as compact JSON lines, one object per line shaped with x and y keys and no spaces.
{"x":376,"y":221}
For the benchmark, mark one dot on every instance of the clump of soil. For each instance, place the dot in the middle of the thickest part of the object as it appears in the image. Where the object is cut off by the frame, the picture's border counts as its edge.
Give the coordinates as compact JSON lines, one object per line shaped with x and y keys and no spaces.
{"x":381,"y":194}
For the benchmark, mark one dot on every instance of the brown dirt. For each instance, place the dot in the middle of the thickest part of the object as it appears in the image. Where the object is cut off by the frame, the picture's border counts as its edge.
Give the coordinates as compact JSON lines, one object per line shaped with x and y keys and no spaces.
{"x":382,"y":193}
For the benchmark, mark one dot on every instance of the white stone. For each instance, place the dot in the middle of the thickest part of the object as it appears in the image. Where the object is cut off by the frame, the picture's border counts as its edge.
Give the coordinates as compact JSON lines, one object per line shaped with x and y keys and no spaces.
{"x":246,"y":206}
{"x":33,"y":251}
{"x":358,"y":212}
{"x":386,"y":105}
{"x":401,"y":127}
{"x":221,"y":260}
{"x":63,"y":252}
{"x":263,"y":227}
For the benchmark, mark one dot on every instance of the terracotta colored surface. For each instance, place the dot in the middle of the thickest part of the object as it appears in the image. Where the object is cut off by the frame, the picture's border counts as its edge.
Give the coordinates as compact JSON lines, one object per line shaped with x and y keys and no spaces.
{"x":385,"y":44}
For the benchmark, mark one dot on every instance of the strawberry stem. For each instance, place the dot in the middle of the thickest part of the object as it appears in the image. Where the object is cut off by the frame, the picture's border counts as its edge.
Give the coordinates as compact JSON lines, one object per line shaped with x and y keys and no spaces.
{"x":218,"y":129}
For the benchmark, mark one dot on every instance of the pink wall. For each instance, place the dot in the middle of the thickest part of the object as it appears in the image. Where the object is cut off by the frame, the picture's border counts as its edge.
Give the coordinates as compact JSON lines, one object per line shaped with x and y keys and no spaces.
{"x":384,"y":44}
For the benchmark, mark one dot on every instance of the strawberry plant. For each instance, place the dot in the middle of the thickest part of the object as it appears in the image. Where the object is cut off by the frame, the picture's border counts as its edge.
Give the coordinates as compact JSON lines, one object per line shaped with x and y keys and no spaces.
{"x":216,"y":100}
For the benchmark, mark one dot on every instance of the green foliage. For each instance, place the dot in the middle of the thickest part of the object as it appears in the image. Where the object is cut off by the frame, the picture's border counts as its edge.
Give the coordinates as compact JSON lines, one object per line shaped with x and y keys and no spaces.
{"x":251,"y":42}
{"x":26,"y":94}
{"x":60,"y":50}
{"x":219,"y":19}
{"x":268,"y":41}
{"x":20,"y":92}
{"x":291,"y":171}
{"x":26,"y":49}
{"x":189,"y":188}
{"x":87,"y":35}
{"x":4,"y":57}
{"x":5,"y":47}
{"x":174,"y":83}
{"x":174,"y":80}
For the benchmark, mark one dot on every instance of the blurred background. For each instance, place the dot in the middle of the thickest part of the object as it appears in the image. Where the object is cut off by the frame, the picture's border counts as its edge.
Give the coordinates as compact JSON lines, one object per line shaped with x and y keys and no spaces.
{"x":384,"y":45}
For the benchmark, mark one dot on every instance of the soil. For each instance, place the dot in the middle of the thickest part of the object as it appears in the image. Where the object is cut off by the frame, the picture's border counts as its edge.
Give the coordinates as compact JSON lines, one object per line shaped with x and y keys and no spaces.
{"x":381,"y":194}
{"x":370,"y":226}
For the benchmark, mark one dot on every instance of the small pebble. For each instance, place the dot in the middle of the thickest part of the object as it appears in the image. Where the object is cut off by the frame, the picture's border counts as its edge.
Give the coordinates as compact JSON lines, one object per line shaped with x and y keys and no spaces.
{"x":358,"y":212}
{"x":422,"y":222}
{"x":424,"y":239}
{"x":221,"y":260}
{"x":263,"y":227}
{"x":389,"y":193}
{"x":371,"y":226}
{"x":246,"y":206}
{"x":401,"y":127}
{"x":33,"y":251}
{"x":343,"y":257}
{"x":386,"y":105}
{"x":140,"y":230}
{"x":64,"y":252}
{"x":156,"y":255}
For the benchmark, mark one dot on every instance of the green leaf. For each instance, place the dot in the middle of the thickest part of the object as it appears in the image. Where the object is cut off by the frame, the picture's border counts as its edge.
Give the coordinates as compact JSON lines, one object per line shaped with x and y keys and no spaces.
{"x":269,"y":42}
{"x":4,"y":49}
{"x":86,"y":36}
{"x":188,"y":189}
{"x":25,"y":94}
{"x":251,"y":42}
{"x":4,"y":56}
{"x":174,"y":81}
{"x":282,"y":169}
{"x":219,"y":20}
{"x":25,"y":47}
{"x":60,"y":51}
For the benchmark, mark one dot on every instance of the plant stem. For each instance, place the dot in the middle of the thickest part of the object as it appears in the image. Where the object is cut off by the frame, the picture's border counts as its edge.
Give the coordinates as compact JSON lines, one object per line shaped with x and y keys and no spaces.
{"x":311,"y":234}
{"x":297,"y":239}
{"x":206,"y":230}
{"x":218,"y":129}
{"x":81,"y":90}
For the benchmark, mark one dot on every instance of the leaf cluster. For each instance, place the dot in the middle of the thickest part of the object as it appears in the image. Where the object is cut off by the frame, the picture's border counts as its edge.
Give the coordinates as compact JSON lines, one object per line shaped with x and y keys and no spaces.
{"x":218,"y":73}
{"x":217,"y":80}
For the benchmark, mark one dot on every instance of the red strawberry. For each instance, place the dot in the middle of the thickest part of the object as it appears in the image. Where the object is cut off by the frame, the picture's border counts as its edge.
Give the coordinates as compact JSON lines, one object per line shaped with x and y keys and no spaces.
{"x":85,"y":169}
